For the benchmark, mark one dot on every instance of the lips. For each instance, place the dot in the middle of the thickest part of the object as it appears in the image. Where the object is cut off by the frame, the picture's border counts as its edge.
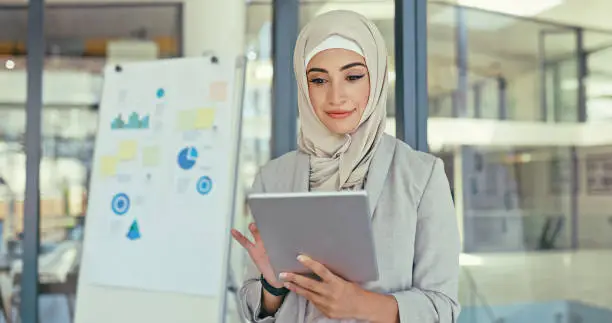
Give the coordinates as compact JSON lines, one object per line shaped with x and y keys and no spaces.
{"x":339,"y":114}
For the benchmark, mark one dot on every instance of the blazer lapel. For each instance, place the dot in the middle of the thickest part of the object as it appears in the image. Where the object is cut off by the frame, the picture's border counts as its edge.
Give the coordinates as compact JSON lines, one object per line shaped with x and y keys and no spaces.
{"x":379,"y":170}
{"x":301,"y":173}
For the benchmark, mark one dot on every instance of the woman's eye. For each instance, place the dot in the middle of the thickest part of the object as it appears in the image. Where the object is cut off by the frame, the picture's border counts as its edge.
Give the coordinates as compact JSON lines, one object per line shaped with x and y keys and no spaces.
{"x":355,"y":77}
{"x":317,"y":81}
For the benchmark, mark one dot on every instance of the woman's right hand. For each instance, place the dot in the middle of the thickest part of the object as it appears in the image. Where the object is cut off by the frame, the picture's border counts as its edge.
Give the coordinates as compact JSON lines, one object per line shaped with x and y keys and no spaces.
{"x":258,"y":254}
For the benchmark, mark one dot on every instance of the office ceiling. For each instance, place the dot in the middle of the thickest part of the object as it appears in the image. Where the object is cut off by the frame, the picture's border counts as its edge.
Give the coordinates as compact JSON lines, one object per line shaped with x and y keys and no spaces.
{"x":99,"y":17}
{"x":496,"y":43}
{"x":77,"y":22}
{"x":594,"y":14}
{"x":502,"y":35}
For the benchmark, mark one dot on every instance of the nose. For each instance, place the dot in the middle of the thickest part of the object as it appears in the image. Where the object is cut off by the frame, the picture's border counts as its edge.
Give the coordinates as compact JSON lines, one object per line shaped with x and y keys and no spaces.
{"x":336,"y":95}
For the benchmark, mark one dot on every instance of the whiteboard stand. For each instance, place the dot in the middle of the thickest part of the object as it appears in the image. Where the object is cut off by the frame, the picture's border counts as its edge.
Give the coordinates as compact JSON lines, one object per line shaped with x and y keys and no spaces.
{"x":232,"y":286}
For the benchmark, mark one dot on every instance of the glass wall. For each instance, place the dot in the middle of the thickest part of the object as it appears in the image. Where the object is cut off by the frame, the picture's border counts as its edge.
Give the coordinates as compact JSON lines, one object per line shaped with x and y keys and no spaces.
{"x":12,"y":154}
{"x":529,"y":186}
{"x":258,"y":94}
{"x":80,"y":40}
{"x":508,"y":101}
{"x":599,"y":77}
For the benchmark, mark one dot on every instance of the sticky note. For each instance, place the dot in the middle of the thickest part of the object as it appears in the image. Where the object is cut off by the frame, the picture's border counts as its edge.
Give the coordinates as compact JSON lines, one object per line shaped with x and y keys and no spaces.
{"x":127,"y":149}
{"x":218,"y":91}
{"x":185,"y":120}
{"x":204,"y":118}
{"x":150,"y":156}
{"x":108,"y":165}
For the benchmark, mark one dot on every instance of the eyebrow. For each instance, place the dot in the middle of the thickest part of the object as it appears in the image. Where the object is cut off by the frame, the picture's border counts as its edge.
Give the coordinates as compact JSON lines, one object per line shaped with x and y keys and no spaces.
{"x":345,"y":67}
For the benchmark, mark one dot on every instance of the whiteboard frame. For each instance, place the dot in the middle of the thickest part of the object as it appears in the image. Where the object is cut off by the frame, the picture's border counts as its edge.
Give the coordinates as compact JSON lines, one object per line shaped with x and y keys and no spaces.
{"x":189,"y":301}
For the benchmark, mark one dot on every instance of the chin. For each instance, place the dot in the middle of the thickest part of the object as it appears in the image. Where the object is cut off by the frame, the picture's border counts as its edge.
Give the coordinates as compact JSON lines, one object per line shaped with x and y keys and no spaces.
{"x":341,"y":127}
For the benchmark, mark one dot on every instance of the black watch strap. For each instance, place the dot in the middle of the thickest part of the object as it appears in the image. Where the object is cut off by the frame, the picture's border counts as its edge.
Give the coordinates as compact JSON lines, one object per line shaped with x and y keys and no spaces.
{"x":271,"y":289}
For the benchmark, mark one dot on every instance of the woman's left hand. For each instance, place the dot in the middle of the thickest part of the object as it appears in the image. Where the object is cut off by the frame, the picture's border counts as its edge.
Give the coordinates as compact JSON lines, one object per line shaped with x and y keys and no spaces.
{"x":333,"y":296}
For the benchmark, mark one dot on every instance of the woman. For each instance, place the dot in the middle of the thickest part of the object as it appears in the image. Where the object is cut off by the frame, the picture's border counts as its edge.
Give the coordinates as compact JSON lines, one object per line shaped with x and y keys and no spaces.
{"x":340,"y":64}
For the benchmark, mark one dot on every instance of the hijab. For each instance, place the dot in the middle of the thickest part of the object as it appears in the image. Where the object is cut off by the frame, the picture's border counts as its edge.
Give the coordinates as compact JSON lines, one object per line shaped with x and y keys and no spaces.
{"x":341,"y":162}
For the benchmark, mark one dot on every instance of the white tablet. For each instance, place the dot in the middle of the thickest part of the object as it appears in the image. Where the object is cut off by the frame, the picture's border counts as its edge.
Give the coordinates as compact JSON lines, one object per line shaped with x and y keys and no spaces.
{"x":333,"y":228}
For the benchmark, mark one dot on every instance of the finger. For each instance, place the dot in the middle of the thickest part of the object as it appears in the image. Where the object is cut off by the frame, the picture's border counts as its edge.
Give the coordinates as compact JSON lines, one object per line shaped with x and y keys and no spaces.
{"x":305,"y":282}
{"x":255,"y":232}
{"x":242,"y":240}
{"x":317,"y":268}
{"x":309,"y":295}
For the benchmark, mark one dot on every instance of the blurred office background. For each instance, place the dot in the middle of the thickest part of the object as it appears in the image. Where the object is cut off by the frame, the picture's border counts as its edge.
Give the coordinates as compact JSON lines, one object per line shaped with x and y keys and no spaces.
{"x":520,"y":110}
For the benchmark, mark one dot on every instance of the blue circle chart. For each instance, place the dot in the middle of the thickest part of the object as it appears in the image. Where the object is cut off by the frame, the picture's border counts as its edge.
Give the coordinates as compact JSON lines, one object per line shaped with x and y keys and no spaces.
{"x":204,"y":185}
{"x":120,"y":204}
{"x":187,"y":157}
{"x":160,"y":93}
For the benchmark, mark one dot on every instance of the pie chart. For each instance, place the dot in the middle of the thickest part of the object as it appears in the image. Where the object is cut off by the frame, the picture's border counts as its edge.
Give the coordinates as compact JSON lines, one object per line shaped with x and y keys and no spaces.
{"x":187,"y":157}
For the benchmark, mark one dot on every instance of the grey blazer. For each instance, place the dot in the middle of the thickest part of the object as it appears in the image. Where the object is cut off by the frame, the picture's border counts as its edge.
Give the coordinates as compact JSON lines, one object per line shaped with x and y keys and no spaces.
{"x":415,"y":232}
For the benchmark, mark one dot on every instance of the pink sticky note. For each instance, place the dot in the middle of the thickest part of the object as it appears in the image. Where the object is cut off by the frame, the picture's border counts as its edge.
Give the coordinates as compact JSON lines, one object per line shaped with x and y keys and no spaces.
{"x":218,"y":91}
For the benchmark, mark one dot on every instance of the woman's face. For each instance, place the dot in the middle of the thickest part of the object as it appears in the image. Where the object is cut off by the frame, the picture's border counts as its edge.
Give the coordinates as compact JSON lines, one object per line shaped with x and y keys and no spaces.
{"x":339,"y":88}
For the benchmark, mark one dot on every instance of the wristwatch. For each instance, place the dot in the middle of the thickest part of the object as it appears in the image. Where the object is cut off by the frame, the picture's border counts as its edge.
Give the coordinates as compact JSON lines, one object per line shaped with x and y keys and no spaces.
{"x":271,"y":289}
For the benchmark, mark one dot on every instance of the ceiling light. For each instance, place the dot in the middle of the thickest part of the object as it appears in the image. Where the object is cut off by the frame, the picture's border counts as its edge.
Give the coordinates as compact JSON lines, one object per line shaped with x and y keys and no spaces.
{"x":524,"y":8}
{"x":474,"y":19}
{"x":392,"y":76}
{"x":9,"y":64}
{"x":264,"y":71}
{"x":599,"y":109}
{"x":252,"y":55}
{"x":470,"y":260}
{"x":595,"y":86}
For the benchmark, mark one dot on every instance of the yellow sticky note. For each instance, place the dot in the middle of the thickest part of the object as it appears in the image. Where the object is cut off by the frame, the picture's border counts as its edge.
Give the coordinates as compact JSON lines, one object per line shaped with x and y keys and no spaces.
{"x":108,"y":165}
{"x":204,"y":118}
{"x":185,"y":120}
{"x":127,"y":149}
{"x":150,"y":156}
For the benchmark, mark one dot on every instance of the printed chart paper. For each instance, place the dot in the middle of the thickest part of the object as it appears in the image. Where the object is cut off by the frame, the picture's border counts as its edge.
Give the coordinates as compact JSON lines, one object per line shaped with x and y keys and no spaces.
{"x":163,"y":174}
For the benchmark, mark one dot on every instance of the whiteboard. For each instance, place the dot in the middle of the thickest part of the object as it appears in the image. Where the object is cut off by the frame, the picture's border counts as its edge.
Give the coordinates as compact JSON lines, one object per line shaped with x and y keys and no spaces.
{"x":161,"y":193}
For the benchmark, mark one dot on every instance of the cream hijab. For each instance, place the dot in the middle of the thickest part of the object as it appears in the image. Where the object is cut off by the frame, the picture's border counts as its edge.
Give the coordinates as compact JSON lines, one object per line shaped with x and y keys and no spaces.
{"x":341,"y":162}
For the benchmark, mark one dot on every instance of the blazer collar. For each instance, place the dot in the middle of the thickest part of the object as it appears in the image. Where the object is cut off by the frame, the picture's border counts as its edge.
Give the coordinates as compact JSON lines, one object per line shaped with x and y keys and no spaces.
{"x":379,"y":170}
{"x":377,"y":174}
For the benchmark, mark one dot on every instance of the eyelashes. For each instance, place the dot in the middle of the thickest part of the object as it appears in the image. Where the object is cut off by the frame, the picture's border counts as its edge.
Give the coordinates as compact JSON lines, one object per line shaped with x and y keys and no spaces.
{"x":355,"y":77}
{"x":350,"y":78}
{"x":317,"y":81}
